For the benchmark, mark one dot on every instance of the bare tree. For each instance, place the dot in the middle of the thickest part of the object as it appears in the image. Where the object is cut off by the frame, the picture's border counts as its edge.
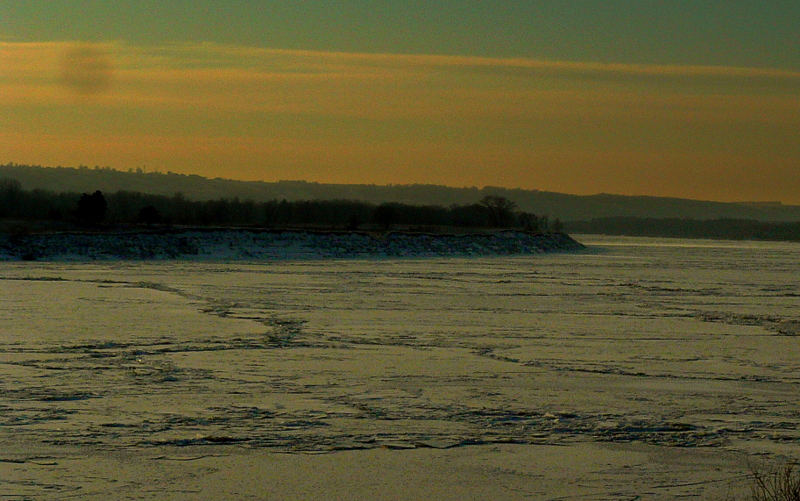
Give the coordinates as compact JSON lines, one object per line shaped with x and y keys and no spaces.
{"x":528,"y":221}
{"x":92,"y":208}
{"x":10,"y":193}
{"x":499,"y":209}
{"x":385,"y":215}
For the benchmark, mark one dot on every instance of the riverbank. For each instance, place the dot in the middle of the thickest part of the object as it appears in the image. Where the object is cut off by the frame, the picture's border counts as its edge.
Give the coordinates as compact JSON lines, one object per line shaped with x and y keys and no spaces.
{"x":239,"y":244}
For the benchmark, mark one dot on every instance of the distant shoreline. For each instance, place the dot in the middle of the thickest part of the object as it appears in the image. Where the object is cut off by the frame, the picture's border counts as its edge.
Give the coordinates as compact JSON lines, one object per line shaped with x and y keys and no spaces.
{"x":567,"y":207}
{"x":718,"y":229}
{"x":204,"y":244}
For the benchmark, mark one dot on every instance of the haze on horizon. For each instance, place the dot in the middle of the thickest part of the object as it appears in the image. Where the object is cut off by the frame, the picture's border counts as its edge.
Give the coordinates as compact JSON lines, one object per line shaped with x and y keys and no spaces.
{"x":693,"y":99}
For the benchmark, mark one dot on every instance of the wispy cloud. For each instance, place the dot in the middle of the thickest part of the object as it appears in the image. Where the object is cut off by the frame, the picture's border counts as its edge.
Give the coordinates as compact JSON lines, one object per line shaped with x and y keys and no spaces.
{"x":197,"y":104}
{"x":245,"y":77}
{"x":223,"y":80}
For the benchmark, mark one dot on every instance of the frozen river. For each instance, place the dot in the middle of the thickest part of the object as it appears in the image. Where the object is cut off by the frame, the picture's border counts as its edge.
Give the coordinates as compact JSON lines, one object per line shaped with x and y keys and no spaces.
{"x":634,"y":350}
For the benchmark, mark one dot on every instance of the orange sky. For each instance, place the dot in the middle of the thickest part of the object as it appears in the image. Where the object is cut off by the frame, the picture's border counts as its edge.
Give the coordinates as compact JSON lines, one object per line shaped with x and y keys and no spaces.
{"x":705,"y":132}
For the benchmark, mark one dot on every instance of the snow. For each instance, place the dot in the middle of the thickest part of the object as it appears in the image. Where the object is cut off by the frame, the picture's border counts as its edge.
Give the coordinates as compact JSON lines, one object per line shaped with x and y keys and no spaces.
{"x":640,"y":369}
{"x":271,"y":245}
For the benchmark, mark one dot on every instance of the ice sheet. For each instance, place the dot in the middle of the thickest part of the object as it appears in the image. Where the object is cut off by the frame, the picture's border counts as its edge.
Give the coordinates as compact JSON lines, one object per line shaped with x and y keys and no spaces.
{"x":637,"y":342}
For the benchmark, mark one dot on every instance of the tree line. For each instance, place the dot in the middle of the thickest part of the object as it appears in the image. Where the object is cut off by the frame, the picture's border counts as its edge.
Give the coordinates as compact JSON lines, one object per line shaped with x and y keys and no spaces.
{"x":722,"y":228}
{"x":128,"y":207}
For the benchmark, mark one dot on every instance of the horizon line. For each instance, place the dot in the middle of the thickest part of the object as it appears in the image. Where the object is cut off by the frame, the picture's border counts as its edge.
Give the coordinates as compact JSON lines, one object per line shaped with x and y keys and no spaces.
{"x":767,"y":203}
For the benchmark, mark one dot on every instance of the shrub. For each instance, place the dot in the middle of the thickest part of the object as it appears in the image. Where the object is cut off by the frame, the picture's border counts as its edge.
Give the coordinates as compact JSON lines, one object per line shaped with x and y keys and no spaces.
{"x":777,"y":483}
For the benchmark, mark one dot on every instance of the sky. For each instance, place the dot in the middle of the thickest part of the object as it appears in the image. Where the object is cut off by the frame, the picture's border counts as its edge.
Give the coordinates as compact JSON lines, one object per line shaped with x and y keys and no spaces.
{"x":693,"y":99}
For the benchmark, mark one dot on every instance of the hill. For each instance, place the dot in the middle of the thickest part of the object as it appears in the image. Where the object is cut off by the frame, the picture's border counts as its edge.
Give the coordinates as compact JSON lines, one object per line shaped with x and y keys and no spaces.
{"x":564,"y":206}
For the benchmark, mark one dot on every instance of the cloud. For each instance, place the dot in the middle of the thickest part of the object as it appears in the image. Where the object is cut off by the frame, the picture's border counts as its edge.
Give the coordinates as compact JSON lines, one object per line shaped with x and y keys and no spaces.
{"x":200,"y":105}
{"x":240,"y":85}
{"x":379,"y":86}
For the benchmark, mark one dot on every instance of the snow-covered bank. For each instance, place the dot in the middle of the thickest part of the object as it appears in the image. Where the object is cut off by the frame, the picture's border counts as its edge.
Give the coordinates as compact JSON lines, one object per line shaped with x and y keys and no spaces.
{"x":272,"y":245}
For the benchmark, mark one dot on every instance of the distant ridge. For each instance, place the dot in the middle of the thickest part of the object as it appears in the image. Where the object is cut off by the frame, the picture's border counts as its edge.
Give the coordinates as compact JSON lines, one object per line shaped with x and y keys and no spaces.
{"x":564,"y":206}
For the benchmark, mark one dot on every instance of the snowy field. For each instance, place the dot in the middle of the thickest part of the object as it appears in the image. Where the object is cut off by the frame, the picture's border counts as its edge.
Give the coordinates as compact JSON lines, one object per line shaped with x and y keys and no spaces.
{"x":638,"y":369}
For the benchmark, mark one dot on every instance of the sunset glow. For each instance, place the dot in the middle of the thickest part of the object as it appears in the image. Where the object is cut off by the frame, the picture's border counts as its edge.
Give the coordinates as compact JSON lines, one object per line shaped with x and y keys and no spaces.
{"x":718,"y":132}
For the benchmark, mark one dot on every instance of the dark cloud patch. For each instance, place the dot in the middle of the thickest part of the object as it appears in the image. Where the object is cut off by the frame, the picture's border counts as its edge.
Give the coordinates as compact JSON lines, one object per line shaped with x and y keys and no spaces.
{"x":86,"y":69}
